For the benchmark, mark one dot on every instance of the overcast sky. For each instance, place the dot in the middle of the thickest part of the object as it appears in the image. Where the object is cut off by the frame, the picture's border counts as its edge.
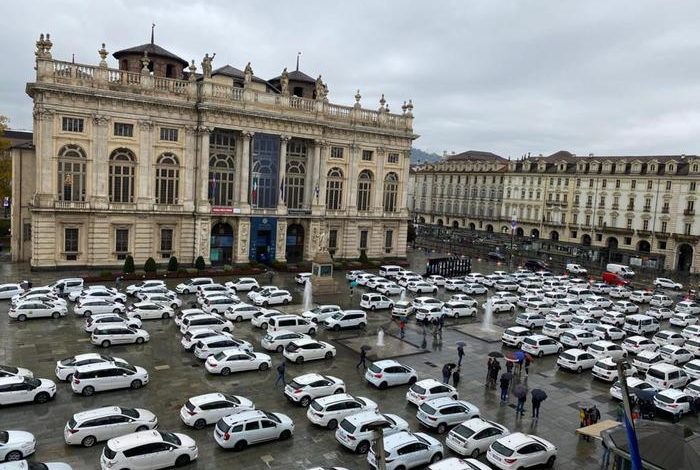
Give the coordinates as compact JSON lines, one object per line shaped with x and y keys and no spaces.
{"x":511,"y":77}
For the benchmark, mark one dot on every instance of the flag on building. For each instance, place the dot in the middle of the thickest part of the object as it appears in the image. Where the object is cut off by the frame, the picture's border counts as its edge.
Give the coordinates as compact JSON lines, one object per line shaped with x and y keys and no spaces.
{"x":254,"y":192}
{"x":282,"y":188}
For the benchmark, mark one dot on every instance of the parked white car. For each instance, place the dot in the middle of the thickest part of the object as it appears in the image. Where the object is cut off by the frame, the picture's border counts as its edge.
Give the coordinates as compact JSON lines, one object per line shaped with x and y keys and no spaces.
{"x":602,"y":349}
{"x":305,"y":388}
{"x":388,"y":373}
{"x":577,"y":338}
{"x":520,"y":450}
{"x":240,"y":312}
{"x":133,"y":289}
{"x":554,"y":329}
{"x":692,"y":368}
{"x":645,"y":359}
{"x":170,"y":300}
{"x":202,"y":410}
{"x":66,"y":367}
{"x":321,"y":312}
{"x":355,"y":432}
{"x":100,"y":424}
{"x":515,"y":335}
{"x":474,"y":436}
{"x":688,"y":306}
{"x":664,"y":337}
{"x":530,"y":320}
{"x":683,"y":319}
{"x":16,"y":445}
{"x":11,"y":371}
{"x":149,"y":311}
{"x":609,"y":332}
{"x":7,"y":291}
{"x":472,"y":288}
{"x":346,"y":319}
{"x":641,"y":297}
{"x":636,"y":344}
{"x":278,"y":340}
{"x":219,"y":304}
{"x":389,"y":288}
{"x":277,"y":297}
{"x":237,"y":360}
{"x":440,"y":414}
{"x":605,"y":369}
{"x":661,"y":300}
{"x":422,"y":287}
{"x":190,"y":286}
{"x":157,"y":449}
{"x":92,"y":306}
{"x":19,"y":389}
{"x":692,"y":331}
{"x":105,"y":294}
{"x":675,"y":354}
{"x":109,"y":335}
{"x":109,"y":319}
{"x":204,"y":320}
{"x":541,"y":345}
{"x":576,"y":360}
{"x":330,"y":410}
{"x":103,"y":376}
{"x":456,"y":309}
{"x":408,"y":450}
{"x":666,"y":283}
{"x":193,"y":336}
{"x":30,"y":309}
{"x":375,"y":302}
{"x":632,"y":383}
{"x":429,"y":389}
{"x":239,"y":430}
{"x":674,"y":402}
{"x":303,"y":350}
{"x":213,"y":345}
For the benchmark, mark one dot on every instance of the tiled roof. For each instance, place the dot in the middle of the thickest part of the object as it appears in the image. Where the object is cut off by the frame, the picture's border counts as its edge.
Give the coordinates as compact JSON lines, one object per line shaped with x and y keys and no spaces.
{"x":154,"y":50}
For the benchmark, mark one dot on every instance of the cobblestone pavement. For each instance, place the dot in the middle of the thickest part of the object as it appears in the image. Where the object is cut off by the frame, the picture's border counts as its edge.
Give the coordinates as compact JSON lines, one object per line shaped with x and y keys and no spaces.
{"x":177,"y":375}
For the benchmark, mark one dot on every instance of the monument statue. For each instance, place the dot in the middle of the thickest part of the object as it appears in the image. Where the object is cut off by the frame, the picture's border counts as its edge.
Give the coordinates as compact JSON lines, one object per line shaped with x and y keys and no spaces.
{"x":284,"y":82}
{"x":206,"y":64}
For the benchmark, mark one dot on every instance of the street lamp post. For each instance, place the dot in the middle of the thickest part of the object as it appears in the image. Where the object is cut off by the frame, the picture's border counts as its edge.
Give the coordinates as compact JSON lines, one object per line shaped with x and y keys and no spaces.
{"x":513,"y":224}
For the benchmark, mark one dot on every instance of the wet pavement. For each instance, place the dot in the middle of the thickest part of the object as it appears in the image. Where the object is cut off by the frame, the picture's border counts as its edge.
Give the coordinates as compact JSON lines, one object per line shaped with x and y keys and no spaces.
{"x":177,"y":375}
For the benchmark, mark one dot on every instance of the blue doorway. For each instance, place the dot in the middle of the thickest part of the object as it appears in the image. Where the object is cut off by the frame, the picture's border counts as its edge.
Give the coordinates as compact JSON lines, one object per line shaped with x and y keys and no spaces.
{"x":263,"y":233}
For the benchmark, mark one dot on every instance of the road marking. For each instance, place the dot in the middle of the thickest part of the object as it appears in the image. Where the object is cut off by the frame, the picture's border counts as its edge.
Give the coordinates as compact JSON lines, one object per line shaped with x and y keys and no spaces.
{"x":83,"y":340}
{"x":163,"y":367}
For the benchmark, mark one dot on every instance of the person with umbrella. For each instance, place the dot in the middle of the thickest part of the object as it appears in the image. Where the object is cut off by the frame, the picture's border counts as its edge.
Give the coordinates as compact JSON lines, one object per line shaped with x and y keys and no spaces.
{"x":520,"y":392}
{"x":495,"y":370}
{"x":489,"y":366}
{"x":538,"y":396}
{"x":455,"y":377}
{"x":446,"y":373}
{"x":506,"y":377}
{"x":509,"y":366}
{"x":528,"y":361}
{"x":460,"y":353}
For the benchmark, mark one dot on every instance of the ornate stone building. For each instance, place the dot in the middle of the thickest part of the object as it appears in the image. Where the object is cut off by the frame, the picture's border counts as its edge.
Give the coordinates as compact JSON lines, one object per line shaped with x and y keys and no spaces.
{"x":155,"y":159}
{"x":639,"y":207}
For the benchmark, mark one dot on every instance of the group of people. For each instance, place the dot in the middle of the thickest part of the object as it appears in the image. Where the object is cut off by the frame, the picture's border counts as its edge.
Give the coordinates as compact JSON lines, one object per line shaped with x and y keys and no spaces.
{"x":450,"y":370}
{"x":505,"y":383}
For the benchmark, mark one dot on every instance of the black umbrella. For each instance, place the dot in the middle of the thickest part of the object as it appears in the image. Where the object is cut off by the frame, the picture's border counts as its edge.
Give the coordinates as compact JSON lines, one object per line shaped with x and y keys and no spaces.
{"x":451,"y":365}
{"x":461,"y":343}
{"x":365,"y":347}
{"x":520,"y":391}
{"x":644,"y":394}
{"x":539,"y":395}
{"x":507,"y":375}
{"x":496,"y":354}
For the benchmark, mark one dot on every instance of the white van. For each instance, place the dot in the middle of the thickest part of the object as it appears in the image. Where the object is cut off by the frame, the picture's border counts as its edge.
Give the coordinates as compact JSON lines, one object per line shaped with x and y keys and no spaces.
{"x":620,"y":269}
{"x":576,"y":269}
{"x":663,"y":376}
{"x":389,"y":270}
{"x":66,"y":286}
{"x":640,"y":324}
{"x":292,"y":323}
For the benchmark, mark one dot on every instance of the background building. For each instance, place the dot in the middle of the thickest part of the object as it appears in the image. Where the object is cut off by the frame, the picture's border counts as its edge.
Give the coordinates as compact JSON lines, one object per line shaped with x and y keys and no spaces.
{"x":156,"y":160}
{"x":633,"y":209}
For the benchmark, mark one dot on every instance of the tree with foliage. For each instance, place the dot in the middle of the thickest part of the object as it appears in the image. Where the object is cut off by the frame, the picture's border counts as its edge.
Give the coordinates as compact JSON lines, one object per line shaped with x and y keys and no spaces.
{"x":363,"y":257}
{"x":129,"y":265}
{"x":150,"y":266}
{"x":172,"y":264}
{"x":200,"y":264}
{"x":5,"y":161}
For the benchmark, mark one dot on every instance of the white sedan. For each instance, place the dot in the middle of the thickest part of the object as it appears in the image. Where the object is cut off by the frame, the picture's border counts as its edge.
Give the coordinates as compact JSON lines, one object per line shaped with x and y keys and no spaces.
{"x":666,"y":283}
{"x":683,"y":319}
{"x":16,"y":445}
{"x":110,"y":295}
{"x":209,"y":408}
{"x":170,"y":300}
{"x":11,"y":371}
{"x":243,"y":284}
{"x":92,"y":306}
{"x":576,"y":360}
{"x":520,"y":450}
{"x":30,"y":309}
{"x":476,"y":289}
{"x":102,"y":320}
{"x":7,"y":291}
{"x":390,"y":288}
{"x":278,"y":340}
{"x":458,"y":309}
{"x":237,"y":360}
{"x":276,"y":297}
{"x":149,"y":311}
{"x":474,"y":436}
{"x":422,"y":288}
{"x":303,"y":350}
{"x":498,"y":306}
{"x":66,"y":367}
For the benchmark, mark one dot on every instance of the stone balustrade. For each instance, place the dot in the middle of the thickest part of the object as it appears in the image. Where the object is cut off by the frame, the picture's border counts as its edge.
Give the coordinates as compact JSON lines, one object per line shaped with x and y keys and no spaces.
{"x":206,"y":90}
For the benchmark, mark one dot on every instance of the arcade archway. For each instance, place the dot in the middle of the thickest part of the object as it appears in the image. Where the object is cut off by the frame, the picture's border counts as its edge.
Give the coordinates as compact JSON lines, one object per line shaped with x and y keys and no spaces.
{"x":295,"y":243}
{"x":685,"y":258}
{"x":221,"y":244}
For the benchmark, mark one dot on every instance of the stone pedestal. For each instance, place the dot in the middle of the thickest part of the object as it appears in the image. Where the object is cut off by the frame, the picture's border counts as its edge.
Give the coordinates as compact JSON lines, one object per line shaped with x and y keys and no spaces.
{"x":322,"y":274}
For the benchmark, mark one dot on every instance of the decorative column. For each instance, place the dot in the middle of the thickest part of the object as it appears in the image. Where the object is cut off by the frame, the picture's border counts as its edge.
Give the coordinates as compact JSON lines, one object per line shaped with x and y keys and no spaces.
{"x":97,"y":194}
{"x":312,"y":177}
{"x":352,"y":179}
{"x":145,"y":196}
{"x":240,"y":254}
{"x":202,"y":173}
{"x":323,"y":174}
{"x":404,"y":177}
{"x":316,"y":204}
{"x":188,"y":171}
{"x":281,"y":251}
{"x":45,"y":158}
{"x":244,"y":174}
{"x":378,"y":202}
{"x":282,"y":171}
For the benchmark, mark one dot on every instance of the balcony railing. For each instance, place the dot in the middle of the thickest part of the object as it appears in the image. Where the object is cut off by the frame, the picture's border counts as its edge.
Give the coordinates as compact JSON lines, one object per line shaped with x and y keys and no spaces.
{"x":646,"y":208}
{"x":72,"y":205}
{"x":615,"y":207}
{"x":664,"y":210}
{"x":689,"y":212}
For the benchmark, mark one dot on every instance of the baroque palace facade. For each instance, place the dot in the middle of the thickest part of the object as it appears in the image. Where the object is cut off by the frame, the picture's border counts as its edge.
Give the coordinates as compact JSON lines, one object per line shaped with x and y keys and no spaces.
{"x":641,"y":205}
{"x":153,"y":159}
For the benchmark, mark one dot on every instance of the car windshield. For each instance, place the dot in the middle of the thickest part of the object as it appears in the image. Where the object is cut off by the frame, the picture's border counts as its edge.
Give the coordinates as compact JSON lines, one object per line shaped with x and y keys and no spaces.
{"x":657,"y":374}
{"x":9,"y":369}
{"x":130,"y":412}
{"x":501,"y":449}
{"x":463,"y":431}
{"x":273,"y":417}
{"x":231,"y":398}
{"x":220,"y":356}
{"x":4,"y":436}
{"x":129,"y":367}
{"x":347,"y":426}
{"x":605,"y":366}
{"x":170,"y":437}
{"x":375,"y":369}
{"x":664,"y":399}
{"x":338,"y":316}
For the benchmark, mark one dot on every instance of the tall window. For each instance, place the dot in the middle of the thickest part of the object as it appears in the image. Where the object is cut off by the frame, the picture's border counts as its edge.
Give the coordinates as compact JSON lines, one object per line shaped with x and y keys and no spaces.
{"x":222,"y":179}
{"x":364,"y":190}
{"x":391,"y":189}
{"x":337,"y":152}
{"x":123,"y":129}
{"x":121,"y":242}
{"x":664,"y":227}
{"x":294,"y":191}
{"x":334,"y":189}
{"x":167,"y":179}
{"x":295,"y":174}
{"x":69,"y":124}
{"x":332,"y":241}
{"x":169,"y":134}
{"x":71,"y":173}
{"x":122,"y":164}
{"x":263,"y":185}
{"x":364,"y":238}
{"x":388,"y":241}
{"x":166,"y":242}
{"x":71,"y":243}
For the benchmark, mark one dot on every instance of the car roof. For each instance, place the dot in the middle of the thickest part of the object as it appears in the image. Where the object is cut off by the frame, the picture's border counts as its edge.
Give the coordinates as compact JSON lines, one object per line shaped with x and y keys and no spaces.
{"x":386,"y":363}
{"x":398,"y":439}
{"x":576,"y":351}
{"x":442,"y":401}
{"x":672,"y":393}
{"x":308,"y":378}
{"x":515,"y":440}
{"x":130,"y":440}
{"x":97,"y":412}
{"x":303,"y":341}
{"x":478,"y":423}
{"x":365,"y":417}
{"x":84,"y":356}
{"x":206,"y":398}
{"x":96,"y":366}
{"x":330,"y":399}
{"x":428,"y":383}
{"x":662,"y":366}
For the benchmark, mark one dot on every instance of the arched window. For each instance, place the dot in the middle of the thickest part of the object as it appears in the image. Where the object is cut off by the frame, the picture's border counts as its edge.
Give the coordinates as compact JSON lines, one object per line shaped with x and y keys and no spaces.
{"x":222,"y":179}
{"x":364,"y":190}
{"x":334,"y":189}
{"x":122,"y":167}
{"x":294,"y":182}
{"x":167,"y":179}
{"x":391,"y":189}
{"x":71,"y":173}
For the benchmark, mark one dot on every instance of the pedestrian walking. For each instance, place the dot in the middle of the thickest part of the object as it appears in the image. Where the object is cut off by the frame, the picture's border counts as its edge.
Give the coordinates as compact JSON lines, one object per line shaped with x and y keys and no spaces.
{"x":520,"y":393}
{"x":441,"y":323}
{"x":60,"y":289}
{"x":509,"y":367}
{"x":455,"y":377}
{"x":402,"y":328}
{"x":505,"y":384}
{"x":281,"y":369}
{"x":434,"y":324}
{"x":528,"y":361}
{"x":117,"y":282}
{"x":363,"y":359}
{"x":489,"y":366}
{"x":460,"y":355}
{"x":446,"y":373}
{"x":495,"y":370}
{"x":352,"y":291}
{"x":538,"y":396}
{"x":423,"y":323}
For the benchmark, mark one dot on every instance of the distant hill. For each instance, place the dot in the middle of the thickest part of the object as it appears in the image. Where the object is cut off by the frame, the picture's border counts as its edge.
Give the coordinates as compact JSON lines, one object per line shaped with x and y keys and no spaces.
{"x":419,"y":156}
